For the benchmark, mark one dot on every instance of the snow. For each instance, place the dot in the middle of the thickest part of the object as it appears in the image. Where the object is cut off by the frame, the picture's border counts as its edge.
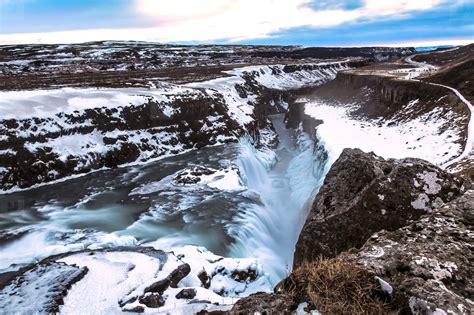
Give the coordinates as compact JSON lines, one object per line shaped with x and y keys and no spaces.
{"x":384,"y":285}
{"x":423,"y":67}
{"x":75,"y":144}
{"x":111,"y":277}
{"x":300,"y":310}
{"x":42,"y":242}
{"x":38,"y":289}
{"x":46,"y":103}
{"x":123,"y":276}
{"x":222,"y":179}
{"x":241,"y":109}
{"x":7,"y":151}
{"x":238,"y":107}
{"x":422,"y":137}
{"x":221,"y":269}
{"x":470,"y":132}
{"x":112,"y":240}
{"x":273,"y":76}
{"x":24,"y":62}
{"x":419,"y":69}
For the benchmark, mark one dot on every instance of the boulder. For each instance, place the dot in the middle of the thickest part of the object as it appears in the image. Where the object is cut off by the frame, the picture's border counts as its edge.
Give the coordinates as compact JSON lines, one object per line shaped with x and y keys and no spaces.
{"x":186,"y":294}
{"x":152,"y":300}
{"x":364,"y":194}
{"x":171,"y":280}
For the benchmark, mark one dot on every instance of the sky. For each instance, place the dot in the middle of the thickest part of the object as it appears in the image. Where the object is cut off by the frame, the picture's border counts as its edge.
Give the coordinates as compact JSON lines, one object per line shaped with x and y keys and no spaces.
{"x":272,"y":22}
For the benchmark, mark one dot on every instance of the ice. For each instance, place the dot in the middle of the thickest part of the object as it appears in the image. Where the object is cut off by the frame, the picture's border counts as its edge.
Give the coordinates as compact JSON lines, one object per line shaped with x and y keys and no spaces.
{"x":223,"y":179}
{"x":43,"y":242}
{"x":221,"y":269}
{"x":115,"y":277}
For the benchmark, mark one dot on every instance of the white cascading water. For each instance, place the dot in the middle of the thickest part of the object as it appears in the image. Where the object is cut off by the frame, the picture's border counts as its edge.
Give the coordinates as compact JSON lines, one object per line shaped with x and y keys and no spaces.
{"x":268,"y":230}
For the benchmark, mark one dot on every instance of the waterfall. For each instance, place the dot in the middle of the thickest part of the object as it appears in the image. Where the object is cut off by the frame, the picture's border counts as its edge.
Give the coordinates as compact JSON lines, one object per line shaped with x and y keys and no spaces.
{"x":268,"y":228}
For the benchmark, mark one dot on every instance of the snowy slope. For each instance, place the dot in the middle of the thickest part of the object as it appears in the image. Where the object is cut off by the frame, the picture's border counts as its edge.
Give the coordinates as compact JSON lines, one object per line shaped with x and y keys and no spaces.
{"x":424,"y":137}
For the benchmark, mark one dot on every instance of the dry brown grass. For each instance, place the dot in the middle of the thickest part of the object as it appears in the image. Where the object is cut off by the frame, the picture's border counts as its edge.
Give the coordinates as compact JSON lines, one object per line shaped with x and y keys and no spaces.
{"x":336,"y":287}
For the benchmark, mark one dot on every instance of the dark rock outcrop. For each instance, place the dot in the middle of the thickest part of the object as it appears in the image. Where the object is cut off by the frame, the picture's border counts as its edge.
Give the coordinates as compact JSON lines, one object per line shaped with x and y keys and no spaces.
{"x":364,"y":194}
{"x":205,"y":279}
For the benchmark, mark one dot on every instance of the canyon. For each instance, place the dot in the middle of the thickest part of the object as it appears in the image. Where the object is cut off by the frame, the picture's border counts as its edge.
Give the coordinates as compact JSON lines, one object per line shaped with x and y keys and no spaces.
{"x":206,"y":178}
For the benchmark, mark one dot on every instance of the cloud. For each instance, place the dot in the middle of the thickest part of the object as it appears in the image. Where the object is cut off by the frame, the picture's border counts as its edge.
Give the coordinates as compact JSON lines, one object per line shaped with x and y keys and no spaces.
{"x":231,"y":20}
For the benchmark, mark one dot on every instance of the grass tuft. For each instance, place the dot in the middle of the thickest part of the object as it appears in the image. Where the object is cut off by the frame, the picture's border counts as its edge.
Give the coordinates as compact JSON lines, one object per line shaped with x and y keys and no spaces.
{"x":334,"y":286}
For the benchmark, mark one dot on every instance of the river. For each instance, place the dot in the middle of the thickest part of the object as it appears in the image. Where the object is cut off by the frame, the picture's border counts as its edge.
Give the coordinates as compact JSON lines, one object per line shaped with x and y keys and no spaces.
{"x":135,"y":205}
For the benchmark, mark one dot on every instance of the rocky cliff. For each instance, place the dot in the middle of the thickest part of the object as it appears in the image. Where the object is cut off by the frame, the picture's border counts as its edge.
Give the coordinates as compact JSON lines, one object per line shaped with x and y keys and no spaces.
{"x":363,"y":194}
{"x":404,"y":225}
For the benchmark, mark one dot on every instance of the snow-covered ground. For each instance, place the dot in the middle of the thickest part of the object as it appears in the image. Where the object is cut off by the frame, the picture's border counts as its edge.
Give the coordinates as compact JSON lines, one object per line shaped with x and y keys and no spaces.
{"x":424,"y":137}
{"x":421,"y":68}
{"x":433,"y":136}
{"x":47,"y":103}
{"x":117,"y":281}
{"x":193,"y":178}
